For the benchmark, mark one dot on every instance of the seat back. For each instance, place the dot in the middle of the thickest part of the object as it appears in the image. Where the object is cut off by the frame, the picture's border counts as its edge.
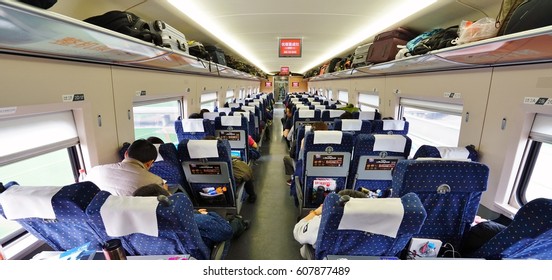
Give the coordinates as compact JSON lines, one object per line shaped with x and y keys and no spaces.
{"x":304,"y":117}
{"x":368,"y":227}
{"x":326,"y":159}
{"x":147,"y":227}
{"x":374,"y":158}
{"x":212,"y":115}
{"x":529,"y":235}
{"x":208,"y":165}
{"x":452,"y":153}
{"x":235,"y":130}
{"x":330,"y":115}
{"x":250,"y":122}
{"x":168,"y":166}
{"x":55,"y":215}
{"x":193,"y":129}
{"x":367,"y":115}
{"x":390,"y":127}
{"x":450,"y":192}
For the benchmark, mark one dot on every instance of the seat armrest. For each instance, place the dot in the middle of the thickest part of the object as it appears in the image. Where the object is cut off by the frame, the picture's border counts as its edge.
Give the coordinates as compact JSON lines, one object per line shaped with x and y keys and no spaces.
{"x":218,"y":251}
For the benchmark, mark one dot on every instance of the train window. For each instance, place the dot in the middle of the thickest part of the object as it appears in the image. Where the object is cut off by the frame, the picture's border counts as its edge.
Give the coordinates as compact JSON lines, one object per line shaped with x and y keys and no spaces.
{"x":533,"y":181}
{"x":330,"y":94}
{"x":343,"y":96}
{"x":229,"y":95}
{"x":156,"y":118}
{"x":431,"y":123}
{"x":31,"y":155}
{"x":368,"y":101}
{"x":209,"y":100}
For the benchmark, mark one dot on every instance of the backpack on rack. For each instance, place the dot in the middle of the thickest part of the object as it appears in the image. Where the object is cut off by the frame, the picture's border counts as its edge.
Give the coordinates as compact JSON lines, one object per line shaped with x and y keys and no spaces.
{"x":44,"y":4}
{"x":198,"y":50}
{"x":127,"y":23}
{"x":527,"y":15}
{"x":439,"y":39}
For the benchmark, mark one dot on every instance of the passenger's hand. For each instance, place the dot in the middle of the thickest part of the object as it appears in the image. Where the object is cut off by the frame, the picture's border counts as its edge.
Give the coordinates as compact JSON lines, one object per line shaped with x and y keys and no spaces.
{"x":202,"y":211}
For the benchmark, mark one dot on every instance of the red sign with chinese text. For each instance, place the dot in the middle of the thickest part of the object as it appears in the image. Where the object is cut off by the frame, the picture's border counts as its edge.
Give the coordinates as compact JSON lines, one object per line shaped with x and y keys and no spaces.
{"x":290,"y":48}
{"x":268,"y":84}
{"x":284,"y":71}
{"x":294,"y":84}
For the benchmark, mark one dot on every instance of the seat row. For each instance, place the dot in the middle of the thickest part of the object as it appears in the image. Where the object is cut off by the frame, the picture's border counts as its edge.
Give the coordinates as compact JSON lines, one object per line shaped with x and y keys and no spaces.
{"x":71,"y":216}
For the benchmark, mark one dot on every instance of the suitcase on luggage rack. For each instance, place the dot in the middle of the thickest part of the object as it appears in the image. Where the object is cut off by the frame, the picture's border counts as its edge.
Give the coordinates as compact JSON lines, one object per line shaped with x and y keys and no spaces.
{"x":360,"y":55}
{"x":216,"y":54}
{"x":198,"y":50}
{"x":171,"y":37}
{"x":385,"y":44}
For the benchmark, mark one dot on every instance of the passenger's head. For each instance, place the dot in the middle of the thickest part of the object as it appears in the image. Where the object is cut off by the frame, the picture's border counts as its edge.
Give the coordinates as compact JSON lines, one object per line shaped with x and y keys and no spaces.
{"x":151,"y":190}
{"x":346,"y":116}
{"x":289,"y":111}
{"x":195,"y":116}
{"x":319,"y":126}
{"x":155,"y":140}
{"x":143,"y":151}
{"x":352,"y":193}
{"x":203,"y":111}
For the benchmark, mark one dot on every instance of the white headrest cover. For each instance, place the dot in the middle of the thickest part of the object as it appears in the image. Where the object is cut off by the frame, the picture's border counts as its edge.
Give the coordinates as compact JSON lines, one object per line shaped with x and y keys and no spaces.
{"x":351,"y":125}
{"x":367,"y":115}
{"x":327,"y":137}
{"x":225,"y":110}
{"x":123,"y":215}
{"x":159,"y":157}
{"x":193,"y":125}
{"x":454,"y":152}
{"x":210,"y":115}
{"x":389,"y":143}
{"x":21,"y":202}
{"x":393,"y":125}
{"x":306,"y":113}
{"x":336,"y":113}
{"x":380,"y":216}
{"x":202,"y":148}
{"x":231,"y":120}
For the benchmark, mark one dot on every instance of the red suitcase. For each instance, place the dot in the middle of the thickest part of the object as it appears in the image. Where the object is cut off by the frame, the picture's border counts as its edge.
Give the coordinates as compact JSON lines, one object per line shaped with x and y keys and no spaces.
{"x":385,"y":44}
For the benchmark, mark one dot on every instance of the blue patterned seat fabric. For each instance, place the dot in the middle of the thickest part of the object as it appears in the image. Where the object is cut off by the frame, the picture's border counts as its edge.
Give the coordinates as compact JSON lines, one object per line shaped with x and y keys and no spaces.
{"x":208,"y":129}
{"x":363,"y":152}
{"x":70,"y":229}
{"x":428,"y":151}
{"x":170,"y":167}
{"x":177,"y":230}
{"x":332,"y":241}
{"x":229,"y":198}
{"x":310,"y":173}
{"x":250,"y":122}
{"x":529,"y":236}
{"x":450,"y":192}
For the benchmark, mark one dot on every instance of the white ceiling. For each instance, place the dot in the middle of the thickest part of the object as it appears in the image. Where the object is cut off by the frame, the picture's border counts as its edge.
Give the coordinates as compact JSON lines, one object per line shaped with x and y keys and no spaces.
{"x":325,"y":26}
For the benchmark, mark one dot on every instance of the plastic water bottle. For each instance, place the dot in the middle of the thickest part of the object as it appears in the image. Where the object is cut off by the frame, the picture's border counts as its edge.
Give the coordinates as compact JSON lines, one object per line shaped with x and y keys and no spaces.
{"x":82,"y":175}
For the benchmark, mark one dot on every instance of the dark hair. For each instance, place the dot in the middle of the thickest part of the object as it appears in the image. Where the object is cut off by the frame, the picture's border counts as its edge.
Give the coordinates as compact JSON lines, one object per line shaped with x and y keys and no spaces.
{"x":155,"y":140}
{"x":151,"y":190}
{"x":346,"y":115}
{"x":142,"y":150}
{"x":203,"y":111}
{"x":352,"y":193}
{"x":195,"y":116}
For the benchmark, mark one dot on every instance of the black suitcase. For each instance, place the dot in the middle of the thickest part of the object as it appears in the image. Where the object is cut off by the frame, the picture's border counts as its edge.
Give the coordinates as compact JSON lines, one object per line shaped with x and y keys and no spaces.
{"x":198,"y":50}
{"x":127,"y":23}
{"x":529,"y":15}
{"x":216,"y":54}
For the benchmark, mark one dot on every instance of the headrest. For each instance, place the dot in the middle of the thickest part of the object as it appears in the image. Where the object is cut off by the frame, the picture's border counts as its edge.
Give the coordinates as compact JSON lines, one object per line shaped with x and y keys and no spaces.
{"x":340,"y":105}
{"x":193,"y":125}
{"x":225,"y":110}
{"x":320,"y":107}
{"x":327,"y":137}
{"x":393,"y":125}
{"x":351,"y":125}
{"x":210,"y":115}
{"x":367,"y":115}
{"x":231,"y":120}
{"x":460,"y":153}
{"x":123,"y":215}
{"x":159,"y":157}
{"x":19,"y":202}
{"x":380,"y":216}
{"x":203,"y":148}
{"x":335,"y":113}
{"x":389,"y":143}
{"x":234,"y":105}
{"x":306,"y":114}
{"x":249,"y":108}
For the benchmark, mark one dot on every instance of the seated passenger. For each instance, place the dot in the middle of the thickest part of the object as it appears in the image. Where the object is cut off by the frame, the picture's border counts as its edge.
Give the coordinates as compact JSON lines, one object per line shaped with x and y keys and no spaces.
{"x":125,"y":177}
{"x":306,"y":230}
{"x":212,"y":227}
{"x":202,"y":111}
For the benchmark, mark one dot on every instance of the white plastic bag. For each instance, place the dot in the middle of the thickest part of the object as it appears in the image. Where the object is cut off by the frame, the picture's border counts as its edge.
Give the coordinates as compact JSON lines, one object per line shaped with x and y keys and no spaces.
{"x":474,"y":31}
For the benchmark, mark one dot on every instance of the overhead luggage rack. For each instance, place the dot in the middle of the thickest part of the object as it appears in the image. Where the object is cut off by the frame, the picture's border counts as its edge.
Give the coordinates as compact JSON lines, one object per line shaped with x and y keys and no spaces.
{"x":31,"y":31}
{"x":527,"y":47}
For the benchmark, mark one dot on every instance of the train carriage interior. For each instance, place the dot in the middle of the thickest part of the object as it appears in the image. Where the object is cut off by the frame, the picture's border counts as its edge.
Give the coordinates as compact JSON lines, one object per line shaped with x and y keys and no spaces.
{"x":314,"y":130}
